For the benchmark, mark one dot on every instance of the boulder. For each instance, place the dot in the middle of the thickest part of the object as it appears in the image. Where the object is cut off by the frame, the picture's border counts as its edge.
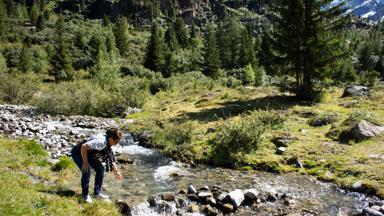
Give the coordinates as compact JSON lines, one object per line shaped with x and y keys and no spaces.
{"x":204,"y":195}
{"x":208,"y":210}
{"x":168,"y":196}
{"x":236,"y":198}
{"x":365,"y":130}
{"x":123,"y":208}
{"x":124,"y":159}
{"x":251,"y":195}
{"x":357,"y":91}
{"x":284,"y":140}
{"x":372,"y":212}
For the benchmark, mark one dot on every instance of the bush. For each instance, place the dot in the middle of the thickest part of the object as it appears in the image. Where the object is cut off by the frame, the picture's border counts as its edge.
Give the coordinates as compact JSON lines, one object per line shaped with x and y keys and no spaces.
{"x":158,"y":83}
{"x":64,"y":163}
{"x":270,"y":119}
{"x":87,"y":98}
{"x":235,"y":139}
{"x":321,"y":119}
{"x":18,"y":88}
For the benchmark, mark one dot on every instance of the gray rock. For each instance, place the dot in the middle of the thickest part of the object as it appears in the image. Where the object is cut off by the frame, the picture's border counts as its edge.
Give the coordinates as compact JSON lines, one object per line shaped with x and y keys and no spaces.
{"x":168,"y":196}
{"x":123,"y":207}
{"x":124,"y":159}
{"x":366,"y":130}
{"x":192,"y":208}
{"x":222,"y":196}
{"x":357,"y":91}
{"x":236,"y":198}
{"x":211,"y":130}
{"x":152,"y":200}
{"x":283,"y":141}
{"x":192,"y":190}
{"x":211,"y":201}
{"x":204,"y":195}
{"x":251,"y":195}
{"x":372,"y":212}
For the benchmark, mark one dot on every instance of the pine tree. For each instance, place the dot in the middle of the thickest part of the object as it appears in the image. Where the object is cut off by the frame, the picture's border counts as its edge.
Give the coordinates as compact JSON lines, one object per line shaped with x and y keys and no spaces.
{"x":170,"y":66}
{"x":61,"y":61}
{"x":105,"y":70}
{"x":171,"y":39}
{"x":306,"y":40}
{"x":122,"y":35}
{"x":181,"y":32}
{"x":265,"y":55}
{"x":34,"y":13}
{"x":40,"y":25}
{"x":25,"y":58}
{"x":247,"y":51}
{"x":211,"y":53}
{"x":3,"y":19}
{"x":154,"y":58}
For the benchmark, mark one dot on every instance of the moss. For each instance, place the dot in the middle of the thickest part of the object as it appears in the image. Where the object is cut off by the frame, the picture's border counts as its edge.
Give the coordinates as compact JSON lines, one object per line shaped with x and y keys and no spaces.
{"x":64,"y":163}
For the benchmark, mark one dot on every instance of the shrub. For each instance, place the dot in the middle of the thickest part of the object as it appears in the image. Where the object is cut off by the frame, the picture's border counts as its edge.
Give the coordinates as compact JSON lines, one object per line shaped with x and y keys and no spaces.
{"x":321,"y":119}
{"x":64,"y":163}
{"x":18,"y":88}
{"x":158,"y":83}
{"x":270,"y":119}
{"x":235,"y":139}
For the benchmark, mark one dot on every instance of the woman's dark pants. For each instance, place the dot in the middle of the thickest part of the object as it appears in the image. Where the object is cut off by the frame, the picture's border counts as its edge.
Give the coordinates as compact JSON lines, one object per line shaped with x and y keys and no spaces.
{"x":86,"y":176}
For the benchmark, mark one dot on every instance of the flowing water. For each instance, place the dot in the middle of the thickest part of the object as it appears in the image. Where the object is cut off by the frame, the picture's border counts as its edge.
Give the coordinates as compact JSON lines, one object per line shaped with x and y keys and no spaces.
{"x":152,"y":173}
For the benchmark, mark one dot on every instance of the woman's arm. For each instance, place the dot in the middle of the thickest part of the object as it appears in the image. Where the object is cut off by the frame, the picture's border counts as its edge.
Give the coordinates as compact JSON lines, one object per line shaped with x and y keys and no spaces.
{"x":84,"y":155}
{"x":116,"y":171}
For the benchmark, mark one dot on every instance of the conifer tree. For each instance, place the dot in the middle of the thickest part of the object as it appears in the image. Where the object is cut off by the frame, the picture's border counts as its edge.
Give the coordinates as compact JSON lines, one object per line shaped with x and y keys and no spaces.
{"x":154,"y":58}
{"x":181,"y":32}
{"x":105,"y":70}
{"x":40,"y":25}
{"x":247,"y":53}
{"x":229,"y":35}
{"x":34,"y":13}
{"x":3,"y":19}
{"x":171,"y":39}
{"x":170,"y":64}
{"x":25,"y":58}
{"x":122,"y":35}
{"x":211,"y":53}
{"x":61,"y":61}
{"x":306,"y":40}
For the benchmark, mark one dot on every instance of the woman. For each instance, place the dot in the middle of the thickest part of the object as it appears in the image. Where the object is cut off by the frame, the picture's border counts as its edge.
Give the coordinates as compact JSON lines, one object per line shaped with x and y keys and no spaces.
{"x":92,"y":153}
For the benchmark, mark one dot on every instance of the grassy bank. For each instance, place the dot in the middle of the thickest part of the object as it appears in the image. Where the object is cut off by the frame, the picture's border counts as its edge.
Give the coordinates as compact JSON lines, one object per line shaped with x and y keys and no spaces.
{"x":30,"y":187}
{"x":212,"y":126}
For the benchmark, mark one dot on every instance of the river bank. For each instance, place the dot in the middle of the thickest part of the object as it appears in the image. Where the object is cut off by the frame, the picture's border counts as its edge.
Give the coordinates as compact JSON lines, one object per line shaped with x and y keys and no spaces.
{"x":150,"y":173}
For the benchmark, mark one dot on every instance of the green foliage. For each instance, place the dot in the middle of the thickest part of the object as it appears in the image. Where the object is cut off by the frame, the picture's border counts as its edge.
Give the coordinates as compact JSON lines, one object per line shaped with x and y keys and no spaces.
{"x":122,"y":35}
{"x":25,"y":59}
{"x":249,"y":78}
{"x":64,"y":163}
{"x":235,"y":139}
{"x":40,"y":24}
{"x":18,"y":88}
{"x":106,"y":70}
{"x":155,"y":54}
{"x":211,"y":54}
{"x":314,"y":38}
{"x":85,"y":98}
{"x":3,"y":64}
{"x":61,"y":61}
{"x":34,"y":13}
{"x":34,"y":148}
{"x":181,"y":32}
{"x":3,"y":19}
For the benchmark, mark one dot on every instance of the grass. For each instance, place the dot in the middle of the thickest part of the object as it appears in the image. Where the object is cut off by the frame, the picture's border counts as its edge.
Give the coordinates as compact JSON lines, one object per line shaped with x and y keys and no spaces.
{"x":29,"y":187}
{"x":321,"y":156}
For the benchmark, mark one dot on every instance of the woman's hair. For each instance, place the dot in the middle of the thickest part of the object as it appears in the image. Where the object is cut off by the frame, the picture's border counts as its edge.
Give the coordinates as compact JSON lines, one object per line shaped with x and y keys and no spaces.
{"x":114,"y":133}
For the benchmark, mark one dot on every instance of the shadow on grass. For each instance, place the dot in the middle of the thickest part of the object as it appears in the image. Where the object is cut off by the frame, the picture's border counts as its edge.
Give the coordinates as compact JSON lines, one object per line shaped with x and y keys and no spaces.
{"x":62,"y":193}
{"x":234,"y":108}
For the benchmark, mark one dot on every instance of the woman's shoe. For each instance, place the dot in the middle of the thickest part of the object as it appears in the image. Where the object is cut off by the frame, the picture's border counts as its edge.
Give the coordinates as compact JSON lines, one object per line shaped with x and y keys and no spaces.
{"x":87,"y":199}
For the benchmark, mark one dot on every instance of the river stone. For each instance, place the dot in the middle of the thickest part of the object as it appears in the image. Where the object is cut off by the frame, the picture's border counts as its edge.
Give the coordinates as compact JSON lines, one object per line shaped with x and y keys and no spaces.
{"x":204,"y":195}
{"x":251,"y":195}
{"x":192,"y":190}
{"x":205,"y":188}
{"x":211,"y":201}
{"x":227,"y":208}
{"x":183,"y":191}
{"x":168,"y":196}
{"x":353,"y":90}
{"x":193,"y":197}
{"x":375,"y":207}
{"x":222,"y":196}
{"x":365,"y":130}
{"x":124,"y":159}
{"x":152,"y":201}
{"x":192,"y":208}
{"x":236,"y":197}
{"x":123,"y":208}
{"x":208,"y":210}
{"x":372,"y":212}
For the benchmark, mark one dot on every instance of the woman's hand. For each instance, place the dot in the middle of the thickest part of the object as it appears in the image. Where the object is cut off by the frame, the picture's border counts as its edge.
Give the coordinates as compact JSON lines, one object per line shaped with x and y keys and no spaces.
{"x":85,"y":167}
{"x":118,"y":175}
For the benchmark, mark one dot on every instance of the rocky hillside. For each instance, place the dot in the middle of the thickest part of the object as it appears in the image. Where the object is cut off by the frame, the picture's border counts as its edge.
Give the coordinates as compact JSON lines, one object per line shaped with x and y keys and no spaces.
{"x":371,"y":9}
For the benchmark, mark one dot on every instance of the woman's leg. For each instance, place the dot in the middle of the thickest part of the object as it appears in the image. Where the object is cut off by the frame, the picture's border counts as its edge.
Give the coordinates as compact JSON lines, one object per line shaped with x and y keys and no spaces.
{"x":85,"y":176}
{"x":99,"y":169}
